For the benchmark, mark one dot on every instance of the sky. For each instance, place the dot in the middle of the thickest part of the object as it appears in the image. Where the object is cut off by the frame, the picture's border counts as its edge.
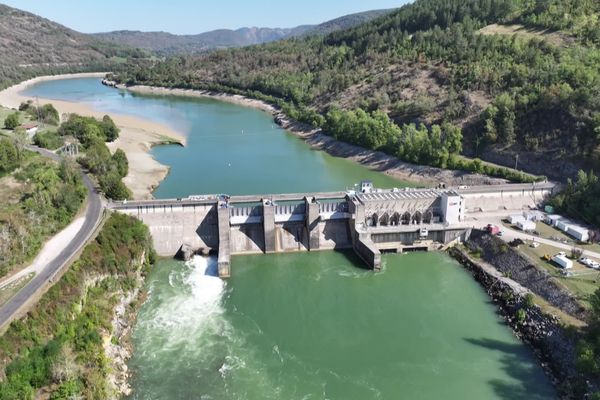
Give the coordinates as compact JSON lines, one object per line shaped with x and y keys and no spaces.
{"x":193,"y":16}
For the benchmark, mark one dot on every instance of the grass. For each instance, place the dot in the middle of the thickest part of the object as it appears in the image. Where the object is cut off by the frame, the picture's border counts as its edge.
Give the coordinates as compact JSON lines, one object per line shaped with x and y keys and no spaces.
{"x":491,"y":164}
{"x":7,"y":292}
{"x":582,"y":286}
{"x":526,"y":33}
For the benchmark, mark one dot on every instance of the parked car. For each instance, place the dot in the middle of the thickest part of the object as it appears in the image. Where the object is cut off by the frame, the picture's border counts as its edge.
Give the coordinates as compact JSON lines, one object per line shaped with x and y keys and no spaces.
{"x":586,"y":261}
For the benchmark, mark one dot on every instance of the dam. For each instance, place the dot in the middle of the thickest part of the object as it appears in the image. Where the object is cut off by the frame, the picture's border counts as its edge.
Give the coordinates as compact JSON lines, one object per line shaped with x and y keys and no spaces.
{"x":369,"y":221}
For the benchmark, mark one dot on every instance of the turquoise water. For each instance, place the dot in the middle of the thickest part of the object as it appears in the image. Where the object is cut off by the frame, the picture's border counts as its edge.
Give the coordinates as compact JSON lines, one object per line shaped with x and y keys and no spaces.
{"x":305,"y":325}
{"x":231,"y":149}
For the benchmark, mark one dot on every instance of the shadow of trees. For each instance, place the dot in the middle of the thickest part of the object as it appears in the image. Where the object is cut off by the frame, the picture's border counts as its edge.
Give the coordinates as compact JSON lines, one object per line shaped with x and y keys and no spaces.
{"x":527,"y":379}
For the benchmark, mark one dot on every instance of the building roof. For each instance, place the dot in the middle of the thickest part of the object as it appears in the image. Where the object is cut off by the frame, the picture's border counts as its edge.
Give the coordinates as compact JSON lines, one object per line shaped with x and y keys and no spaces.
{"x":404,"y":194}
{"x":29,"y":126}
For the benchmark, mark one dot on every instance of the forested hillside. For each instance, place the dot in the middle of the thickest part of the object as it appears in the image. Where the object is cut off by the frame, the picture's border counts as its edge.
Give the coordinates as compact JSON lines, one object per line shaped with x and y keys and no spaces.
{"x":32,"y":46}
{"x":428,"y":63}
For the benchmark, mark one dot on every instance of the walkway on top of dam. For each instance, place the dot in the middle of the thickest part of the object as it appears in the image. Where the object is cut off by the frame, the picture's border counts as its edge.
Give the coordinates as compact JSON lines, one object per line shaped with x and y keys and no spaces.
{"x":212,"y":199}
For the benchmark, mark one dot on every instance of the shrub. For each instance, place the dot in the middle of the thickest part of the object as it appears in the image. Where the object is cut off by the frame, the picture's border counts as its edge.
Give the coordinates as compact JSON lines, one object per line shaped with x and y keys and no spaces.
{"x":11,"y":121}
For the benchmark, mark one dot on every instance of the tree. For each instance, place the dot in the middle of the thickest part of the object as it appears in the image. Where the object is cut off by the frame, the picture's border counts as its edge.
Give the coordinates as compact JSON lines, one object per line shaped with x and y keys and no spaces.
{"x":97,"y":158}
{"x":11,"y":121}
{"x":9,"y":157}
{"x":111,"y":132}
{"x":121,"y":163}
{"x":113,"y":187}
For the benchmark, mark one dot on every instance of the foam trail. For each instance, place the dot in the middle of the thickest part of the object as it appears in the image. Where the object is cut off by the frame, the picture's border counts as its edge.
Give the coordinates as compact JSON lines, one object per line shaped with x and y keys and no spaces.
{"x":192,"y":308}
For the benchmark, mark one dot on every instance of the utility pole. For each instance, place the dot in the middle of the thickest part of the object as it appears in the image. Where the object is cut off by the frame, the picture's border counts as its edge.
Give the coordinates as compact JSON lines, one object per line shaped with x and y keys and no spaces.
{"x":517,"y":162}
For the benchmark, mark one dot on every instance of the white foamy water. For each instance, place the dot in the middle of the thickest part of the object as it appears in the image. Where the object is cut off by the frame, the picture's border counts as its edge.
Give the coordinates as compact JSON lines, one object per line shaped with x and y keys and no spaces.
{"x":188,"y":312}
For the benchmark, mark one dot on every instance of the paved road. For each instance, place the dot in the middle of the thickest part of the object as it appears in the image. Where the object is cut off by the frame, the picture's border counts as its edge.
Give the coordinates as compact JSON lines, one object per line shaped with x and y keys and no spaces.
{"x":481,"y":220}
{"x":93,"y":215}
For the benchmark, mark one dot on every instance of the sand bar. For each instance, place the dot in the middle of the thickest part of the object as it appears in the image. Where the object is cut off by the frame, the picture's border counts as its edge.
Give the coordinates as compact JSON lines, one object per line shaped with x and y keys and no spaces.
{"x":136,"y":138}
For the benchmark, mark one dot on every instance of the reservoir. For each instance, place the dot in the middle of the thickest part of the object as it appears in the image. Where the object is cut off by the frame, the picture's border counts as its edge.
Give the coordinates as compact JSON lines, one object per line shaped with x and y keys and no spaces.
{"x":302,"y":325}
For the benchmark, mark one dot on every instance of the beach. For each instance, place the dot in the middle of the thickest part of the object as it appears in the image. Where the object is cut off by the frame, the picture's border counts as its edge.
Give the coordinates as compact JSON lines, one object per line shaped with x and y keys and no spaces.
{"x":136,"y":138}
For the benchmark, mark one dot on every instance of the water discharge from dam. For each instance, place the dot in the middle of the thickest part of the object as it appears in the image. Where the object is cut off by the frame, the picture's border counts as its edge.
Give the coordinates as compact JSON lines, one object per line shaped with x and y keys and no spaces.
{"x":301,"y":325}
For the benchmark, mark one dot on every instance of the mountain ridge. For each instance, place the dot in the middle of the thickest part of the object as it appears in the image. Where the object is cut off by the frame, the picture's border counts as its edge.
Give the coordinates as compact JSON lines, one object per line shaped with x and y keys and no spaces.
{"x":166,"y":43}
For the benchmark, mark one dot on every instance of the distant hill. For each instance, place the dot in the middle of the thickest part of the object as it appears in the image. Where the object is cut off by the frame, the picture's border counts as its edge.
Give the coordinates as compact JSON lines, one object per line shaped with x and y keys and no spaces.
{"x":345,"y":22}
{"x":31,"y":45}
{"x":168,"y":44}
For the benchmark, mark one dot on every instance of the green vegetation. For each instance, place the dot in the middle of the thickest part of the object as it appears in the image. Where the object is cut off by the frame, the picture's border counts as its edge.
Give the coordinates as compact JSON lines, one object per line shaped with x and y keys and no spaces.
{"x":60,"y":343}
{"x":12,"y":121}
{"x":427,"y":63}
{"x":46,"y":113}
{"x":9,"y":156}
{"x":50,"y":139}
{"x":43,"y":198}
{"x":92,"y":134}
{"x":110,"y":170}
{"x":88,"y":130}
{"x":580,"y":199}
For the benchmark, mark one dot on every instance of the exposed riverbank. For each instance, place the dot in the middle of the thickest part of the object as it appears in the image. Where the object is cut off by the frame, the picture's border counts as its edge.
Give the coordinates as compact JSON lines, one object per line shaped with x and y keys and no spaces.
{"x":136,"y":138}
{"x":317,"y":139}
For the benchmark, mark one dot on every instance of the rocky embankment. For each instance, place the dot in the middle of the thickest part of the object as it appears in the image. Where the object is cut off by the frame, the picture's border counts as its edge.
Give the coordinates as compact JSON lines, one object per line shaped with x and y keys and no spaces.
{"x":510,"y":263}
{"x":380,"y":161}
{"x":553,"y":344}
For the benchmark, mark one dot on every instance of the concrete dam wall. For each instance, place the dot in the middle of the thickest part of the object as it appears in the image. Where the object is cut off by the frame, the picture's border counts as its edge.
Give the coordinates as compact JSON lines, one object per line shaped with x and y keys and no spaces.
{"x":369,"y":223}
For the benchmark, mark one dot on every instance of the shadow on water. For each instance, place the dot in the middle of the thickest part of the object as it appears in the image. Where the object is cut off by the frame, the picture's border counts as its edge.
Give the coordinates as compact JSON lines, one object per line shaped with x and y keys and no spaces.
{"x":527,"y":380}
{"x":212,"y":268}
{"x":352,"y":258}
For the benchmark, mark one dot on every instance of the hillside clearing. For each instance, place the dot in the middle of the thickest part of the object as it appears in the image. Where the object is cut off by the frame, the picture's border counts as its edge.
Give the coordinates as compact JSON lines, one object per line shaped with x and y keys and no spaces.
{"x":554,"y":38}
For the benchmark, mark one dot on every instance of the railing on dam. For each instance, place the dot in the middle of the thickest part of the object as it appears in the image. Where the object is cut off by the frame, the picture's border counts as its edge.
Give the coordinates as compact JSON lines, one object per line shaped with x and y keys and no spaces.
{"x":289,"y":209}
{"x":252,"y":211}
{"x":333,"y":207}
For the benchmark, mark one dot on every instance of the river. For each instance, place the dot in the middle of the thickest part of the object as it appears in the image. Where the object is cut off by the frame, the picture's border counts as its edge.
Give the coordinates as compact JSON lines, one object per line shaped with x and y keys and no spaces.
{"x":301,"y":326}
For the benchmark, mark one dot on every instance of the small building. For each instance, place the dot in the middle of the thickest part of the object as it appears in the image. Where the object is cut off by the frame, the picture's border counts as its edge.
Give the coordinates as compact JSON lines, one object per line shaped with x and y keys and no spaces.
{"x":452,"y":207}
{"x":562,"y":261}
{"x":366,"y":186}
{"x":564,"y":225}
{"x":580,"y":233}
{"x":533,"y":215}
{"x":553,"y":219}
{"x":515,"y":219}
{"x":30,"y":129}
{"x":526,"y":225}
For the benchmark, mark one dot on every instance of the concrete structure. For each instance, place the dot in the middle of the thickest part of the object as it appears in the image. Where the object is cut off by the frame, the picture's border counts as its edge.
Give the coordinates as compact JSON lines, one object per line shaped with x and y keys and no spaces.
{"x":452,"y":208}
{"x":370,"y":223}
{"x":30,"y":129}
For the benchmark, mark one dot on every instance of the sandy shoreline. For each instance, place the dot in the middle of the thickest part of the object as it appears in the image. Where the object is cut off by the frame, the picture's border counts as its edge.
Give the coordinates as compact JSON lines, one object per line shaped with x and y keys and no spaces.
{"x":317,"y":139}
{"x":136,"y":138}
